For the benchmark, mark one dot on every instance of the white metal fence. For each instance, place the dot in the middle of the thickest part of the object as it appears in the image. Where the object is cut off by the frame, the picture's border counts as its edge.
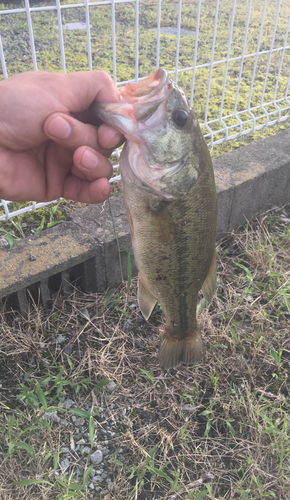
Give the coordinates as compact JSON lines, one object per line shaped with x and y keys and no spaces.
{"x":232,"y":57}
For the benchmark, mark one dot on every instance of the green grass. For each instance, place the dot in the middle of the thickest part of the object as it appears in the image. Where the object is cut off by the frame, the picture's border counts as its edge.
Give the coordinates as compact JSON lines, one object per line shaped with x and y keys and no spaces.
{"x":30,"y":223}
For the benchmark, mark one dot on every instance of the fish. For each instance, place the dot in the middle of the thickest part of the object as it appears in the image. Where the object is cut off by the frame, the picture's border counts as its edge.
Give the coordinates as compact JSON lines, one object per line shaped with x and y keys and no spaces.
{"x":170,"y":195}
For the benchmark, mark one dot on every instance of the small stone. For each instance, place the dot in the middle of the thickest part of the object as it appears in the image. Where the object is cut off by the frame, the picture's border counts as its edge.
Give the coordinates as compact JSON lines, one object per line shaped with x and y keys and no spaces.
{"x":104,"y":475}
{"x":81,"y":441}
{"x":97,"y":457}
{"x":64,"y":423}
{"x":109,"y":484}
{"x":124,"y":411}
{"x":32,"y":257}
{"x":64,"y":464}
{"x":68,"y":349}
{"x":73,"y":418}
{"x":111,"y":387}
{"x":79,"y":422}
{"x":64,"y":450}
{"x":138,"y":342}
{"x":60,"y":339}
{"x":68,"y":403}
{"x":97,"y":478}
{"x":188,"y":408}
{"x":91,"y":486}
{"x":86,"y":450}
{"x":250,"y":298}
{"x":52,"y":416}
{"x":106,"y":452}
{"x":133,"y":306}
{"x":85,"y":314}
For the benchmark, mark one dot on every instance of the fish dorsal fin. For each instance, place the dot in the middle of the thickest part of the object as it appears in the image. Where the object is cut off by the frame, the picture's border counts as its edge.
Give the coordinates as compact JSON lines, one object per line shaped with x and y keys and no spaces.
{"x":209,"y":284}
{"x":146,"y":300}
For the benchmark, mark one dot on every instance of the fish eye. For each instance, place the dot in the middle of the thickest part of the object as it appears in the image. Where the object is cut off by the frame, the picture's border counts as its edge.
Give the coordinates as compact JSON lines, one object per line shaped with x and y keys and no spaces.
{"x":180,"y":117}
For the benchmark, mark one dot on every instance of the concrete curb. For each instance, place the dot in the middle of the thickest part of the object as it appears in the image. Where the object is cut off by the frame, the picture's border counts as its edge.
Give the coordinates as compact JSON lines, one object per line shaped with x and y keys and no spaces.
{"x":249,"y":181}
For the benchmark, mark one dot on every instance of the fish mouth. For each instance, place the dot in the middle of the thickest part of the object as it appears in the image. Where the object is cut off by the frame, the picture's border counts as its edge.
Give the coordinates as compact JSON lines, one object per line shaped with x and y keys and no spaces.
{"x":141,"y":112}
{"x":145,"y":89}
{"x":139,"y":101}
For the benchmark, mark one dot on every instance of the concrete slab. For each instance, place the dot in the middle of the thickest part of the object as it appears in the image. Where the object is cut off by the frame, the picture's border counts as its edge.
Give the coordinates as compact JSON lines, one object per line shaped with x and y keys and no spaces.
{"x":249,"y":181}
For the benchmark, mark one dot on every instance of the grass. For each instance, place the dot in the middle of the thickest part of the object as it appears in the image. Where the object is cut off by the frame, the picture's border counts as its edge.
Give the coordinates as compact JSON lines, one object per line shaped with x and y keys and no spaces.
{"x":232,"y":442}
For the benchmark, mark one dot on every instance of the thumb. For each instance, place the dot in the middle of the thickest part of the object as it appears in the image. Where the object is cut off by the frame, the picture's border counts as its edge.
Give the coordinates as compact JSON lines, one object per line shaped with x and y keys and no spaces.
{"x":77,"y":91}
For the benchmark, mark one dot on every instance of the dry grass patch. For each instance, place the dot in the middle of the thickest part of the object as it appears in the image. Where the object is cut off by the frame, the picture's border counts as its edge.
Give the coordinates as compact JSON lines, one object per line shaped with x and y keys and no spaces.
{"x":218,"y":430}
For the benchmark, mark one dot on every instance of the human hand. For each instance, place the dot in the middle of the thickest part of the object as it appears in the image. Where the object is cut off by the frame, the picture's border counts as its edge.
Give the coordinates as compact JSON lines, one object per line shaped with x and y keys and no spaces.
{"x":46,"y":152}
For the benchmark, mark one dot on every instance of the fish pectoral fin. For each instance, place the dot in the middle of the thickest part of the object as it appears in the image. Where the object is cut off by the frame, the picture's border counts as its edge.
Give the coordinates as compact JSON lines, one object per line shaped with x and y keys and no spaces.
{"x":145,"y":298}
{"x":174,"y":351}
{"x":209,"y":284}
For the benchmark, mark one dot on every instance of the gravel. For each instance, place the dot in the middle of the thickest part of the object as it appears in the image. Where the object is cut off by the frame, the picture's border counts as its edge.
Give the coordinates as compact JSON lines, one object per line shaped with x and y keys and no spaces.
{"x":110,"y":387}
{"x":188,"y":408}
{"x":76,"y":452}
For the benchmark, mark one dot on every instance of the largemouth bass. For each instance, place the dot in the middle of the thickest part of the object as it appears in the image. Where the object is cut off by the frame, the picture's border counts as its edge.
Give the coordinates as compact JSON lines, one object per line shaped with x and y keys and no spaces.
{"x":170,"y":195}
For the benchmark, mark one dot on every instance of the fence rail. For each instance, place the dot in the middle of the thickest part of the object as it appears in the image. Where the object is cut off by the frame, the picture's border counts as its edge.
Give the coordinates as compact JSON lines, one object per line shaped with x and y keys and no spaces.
{"x":232,"y":57}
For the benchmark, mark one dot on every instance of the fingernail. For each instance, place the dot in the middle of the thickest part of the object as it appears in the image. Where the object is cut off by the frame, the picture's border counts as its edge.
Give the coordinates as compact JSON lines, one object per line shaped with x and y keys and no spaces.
{"x":107,"y":191}
{"x":89,"y":160}
{"x":113,"y":141}
{"x":58,"y":127}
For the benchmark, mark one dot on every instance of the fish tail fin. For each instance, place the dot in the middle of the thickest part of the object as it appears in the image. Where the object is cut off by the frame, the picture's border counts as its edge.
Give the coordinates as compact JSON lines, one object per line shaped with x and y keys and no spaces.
{"x":188,"y":350}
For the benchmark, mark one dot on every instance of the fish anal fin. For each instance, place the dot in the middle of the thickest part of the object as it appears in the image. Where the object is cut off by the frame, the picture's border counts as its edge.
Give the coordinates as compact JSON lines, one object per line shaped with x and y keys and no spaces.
{"x":187,"y":350}
{"x":209,"y":284}
{"x":146,"y":300}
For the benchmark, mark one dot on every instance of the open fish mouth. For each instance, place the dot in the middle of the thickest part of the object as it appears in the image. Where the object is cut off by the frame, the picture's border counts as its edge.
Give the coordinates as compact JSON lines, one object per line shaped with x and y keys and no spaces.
{"x":146,"y":115}
{"x":149,"y":87}
{"x":139,"y":101}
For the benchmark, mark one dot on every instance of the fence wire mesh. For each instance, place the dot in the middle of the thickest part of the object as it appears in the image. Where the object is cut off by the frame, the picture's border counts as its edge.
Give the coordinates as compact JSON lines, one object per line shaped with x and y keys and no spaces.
{"x":230,"y":56}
